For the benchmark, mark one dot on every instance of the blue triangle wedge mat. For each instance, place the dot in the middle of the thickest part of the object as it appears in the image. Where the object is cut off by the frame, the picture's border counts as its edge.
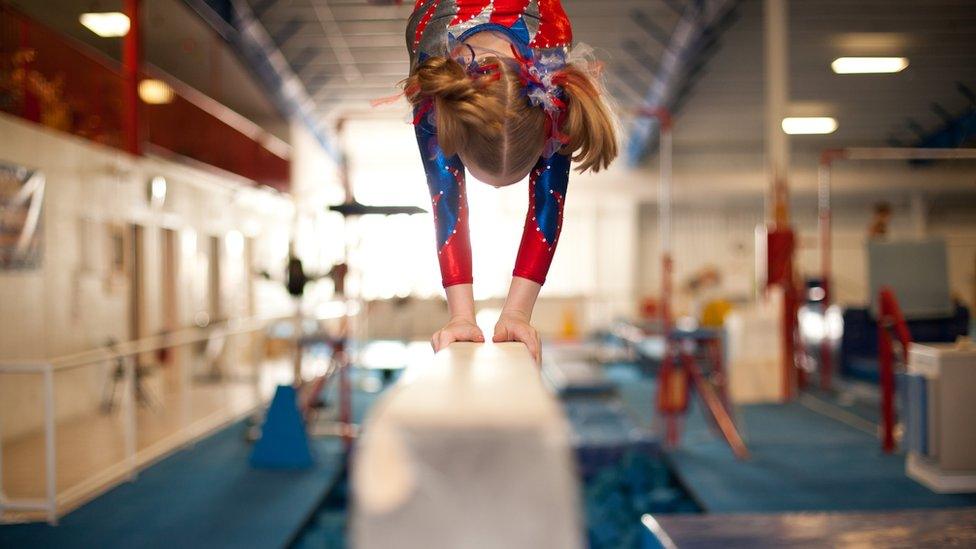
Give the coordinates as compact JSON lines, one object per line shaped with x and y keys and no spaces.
{"x":284,"y":440}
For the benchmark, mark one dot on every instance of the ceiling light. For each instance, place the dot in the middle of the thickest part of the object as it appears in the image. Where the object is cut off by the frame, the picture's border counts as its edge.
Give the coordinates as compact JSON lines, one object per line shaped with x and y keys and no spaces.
{"x":869,"y":65}
{"x":157,"y":191}
{"x":809,"y":125}
{"x":155,"y":92}
{"x":107,"y":24}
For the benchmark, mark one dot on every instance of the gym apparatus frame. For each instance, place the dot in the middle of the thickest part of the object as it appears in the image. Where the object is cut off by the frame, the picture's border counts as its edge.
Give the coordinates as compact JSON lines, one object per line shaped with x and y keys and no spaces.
{"x":824,"y":183}
{"x":679,"y":362}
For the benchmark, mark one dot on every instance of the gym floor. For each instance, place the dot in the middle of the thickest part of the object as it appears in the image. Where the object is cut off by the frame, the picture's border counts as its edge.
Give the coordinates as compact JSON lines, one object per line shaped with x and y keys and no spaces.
{"x":207,"y":495}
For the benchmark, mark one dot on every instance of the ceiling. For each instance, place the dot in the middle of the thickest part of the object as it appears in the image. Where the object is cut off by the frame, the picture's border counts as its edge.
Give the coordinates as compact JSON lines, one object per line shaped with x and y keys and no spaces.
{"x":725,"y":109}
{"x":348,"y":52}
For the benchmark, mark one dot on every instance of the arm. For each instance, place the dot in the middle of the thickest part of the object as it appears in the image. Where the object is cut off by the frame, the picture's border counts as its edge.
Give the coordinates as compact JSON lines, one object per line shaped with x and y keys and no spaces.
{"x":548,"y":182}
{"x":445,"y":180}
{"x":543,"y":222}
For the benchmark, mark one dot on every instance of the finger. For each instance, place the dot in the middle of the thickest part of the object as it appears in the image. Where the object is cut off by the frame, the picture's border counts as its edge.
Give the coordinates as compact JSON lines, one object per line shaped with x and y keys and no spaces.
{"x":530,"y":337}
{"x":535,"y":349}
{"x":474,"y":334}
{"x":501,"y":334}
{"x":441,"y":340}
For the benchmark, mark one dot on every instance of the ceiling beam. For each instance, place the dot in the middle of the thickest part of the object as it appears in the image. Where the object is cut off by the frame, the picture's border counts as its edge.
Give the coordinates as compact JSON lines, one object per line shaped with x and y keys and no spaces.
{"x":250,"y":39}
{"x":695,"y":19}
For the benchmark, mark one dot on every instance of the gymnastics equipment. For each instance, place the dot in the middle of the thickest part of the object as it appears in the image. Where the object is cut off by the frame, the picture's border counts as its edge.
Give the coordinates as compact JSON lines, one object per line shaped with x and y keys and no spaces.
{"x":692,"y":359}
{"x":941,"y":440}
{"x":917,"y":271}
{"x":678,"y":364}
{"x":686,"y":352}
{"x":889,"y":317}
{"x":284,"y":441}
{"x":468,"y":451}
{"x":304,"y":402}
{"x":906,"y":528}
{"x":824,"y":214}
{"x":754,"y":351}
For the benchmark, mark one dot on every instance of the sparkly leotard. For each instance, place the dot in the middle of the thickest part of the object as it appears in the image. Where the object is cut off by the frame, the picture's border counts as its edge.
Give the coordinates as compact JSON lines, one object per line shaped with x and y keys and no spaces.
{"x":535,"y":28}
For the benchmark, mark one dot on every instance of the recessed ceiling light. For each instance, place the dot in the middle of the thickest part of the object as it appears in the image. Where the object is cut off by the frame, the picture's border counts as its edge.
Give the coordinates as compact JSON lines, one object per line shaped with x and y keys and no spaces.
{"x":110,"y":24}
{"x":869,"y":65}
{"x":809,"y":125}
{"x":155,"y":92}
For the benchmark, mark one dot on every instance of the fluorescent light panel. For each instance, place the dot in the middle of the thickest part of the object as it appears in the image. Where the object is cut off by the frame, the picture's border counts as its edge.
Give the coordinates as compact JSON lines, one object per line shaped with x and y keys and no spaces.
{"x":809,"y":125}
{"x":110,"y":24}
{"x":869,"y":65}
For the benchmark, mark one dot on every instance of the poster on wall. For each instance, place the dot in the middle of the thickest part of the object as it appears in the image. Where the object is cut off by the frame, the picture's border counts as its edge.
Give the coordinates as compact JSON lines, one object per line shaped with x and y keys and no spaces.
{"x":21,"y":200}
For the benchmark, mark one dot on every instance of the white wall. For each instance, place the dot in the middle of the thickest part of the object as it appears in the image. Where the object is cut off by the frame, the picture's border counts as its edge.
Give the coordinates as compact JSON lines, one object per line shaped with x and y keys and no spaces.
{"x":721,"y":232}
{"x":72,"y":302}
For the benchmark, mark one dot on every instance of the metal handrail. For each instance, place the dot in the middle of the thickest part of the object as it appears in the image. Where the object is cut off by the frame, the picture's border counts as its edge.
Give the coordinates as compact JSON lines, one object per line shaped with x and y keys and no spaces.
{"x":187,"y":336}
{"x":47,"y":368}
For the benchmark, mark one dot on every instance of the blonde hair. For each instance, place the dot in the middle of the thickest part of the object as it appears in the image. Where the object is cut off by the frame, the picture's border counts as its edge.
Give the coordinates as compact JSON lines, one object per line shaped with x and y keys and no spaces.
{"x":488,"y":120}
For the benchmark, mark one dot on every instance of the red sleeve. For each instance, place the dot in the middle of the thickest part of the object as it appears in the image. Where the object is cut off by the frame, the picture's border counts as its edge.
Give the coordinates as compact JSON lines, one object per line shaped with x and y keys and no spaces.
{"x":543,"y":222}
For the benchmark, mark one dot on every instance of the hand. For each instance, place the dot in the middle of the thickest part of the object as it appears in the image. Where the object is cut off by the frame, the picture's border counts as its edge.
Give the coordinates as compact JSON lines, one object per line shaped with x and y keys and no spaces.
{"x":513,"y":326}
{"x":457,"y":329}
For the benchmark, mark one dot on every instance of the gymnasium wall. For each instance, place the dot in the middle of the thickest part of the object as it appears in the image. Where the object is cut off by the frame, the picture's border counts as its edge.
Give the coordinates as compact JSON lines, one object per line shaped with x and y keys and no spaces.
{"x":78,"y":297}
{"x":721,"y":233}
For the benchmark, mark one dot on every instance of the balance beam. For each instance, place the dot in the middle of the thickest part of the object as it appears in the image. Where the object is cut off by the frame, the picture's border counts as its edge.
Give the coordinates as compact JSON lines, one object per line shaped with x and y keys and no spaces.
{"x":470,"y":451}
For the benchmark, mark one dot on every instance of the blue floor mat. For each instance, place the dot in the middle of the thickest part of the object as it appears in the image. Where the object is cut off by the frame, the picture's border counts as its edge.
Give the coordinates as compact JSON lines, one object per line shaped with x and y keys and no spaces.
{"x":801,"y":461}
{"x":205,"y":496}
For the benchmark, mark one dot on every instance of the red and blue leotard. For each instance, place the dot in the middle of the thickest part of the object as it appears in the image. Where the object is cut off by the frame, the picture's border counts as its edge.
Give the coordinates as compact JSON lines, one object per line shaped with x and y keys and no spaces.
{"x":535,"y":27}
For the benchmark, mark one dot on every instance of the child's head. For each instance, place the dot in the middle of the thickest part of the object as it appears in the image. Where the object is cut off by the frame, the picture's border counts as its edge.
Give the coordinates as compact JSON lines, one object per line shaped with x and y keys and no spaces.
{"x":491,"y":124}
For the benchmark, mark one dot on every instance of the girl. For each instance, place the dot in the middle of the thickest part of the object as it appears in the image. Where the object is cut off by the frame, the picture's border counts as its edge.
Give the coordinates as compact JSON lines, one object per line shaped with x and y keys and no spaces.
{"x":493,"y":92}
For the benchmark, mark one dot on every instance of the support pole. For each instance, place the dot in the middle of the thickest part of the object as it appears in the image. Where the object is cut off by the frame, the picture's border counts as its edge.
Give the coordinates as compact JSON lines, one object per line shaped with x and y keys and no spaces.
{"x":664,"y":221}
{"x":667,"y":265}
{"x":129,"y":414}
{"x":131,"y":69}
{"x":50,"y":458}
{"x":665,"y":200}
{"x":713,"y":403}
{"x":664,"y":197}
{"x":776,"y":43}
{"x":824,"y":219}
{"x":3,"y":497}
{"x":889,"y":317}
{"x":886,"y":380}
{"x":777,"y":96}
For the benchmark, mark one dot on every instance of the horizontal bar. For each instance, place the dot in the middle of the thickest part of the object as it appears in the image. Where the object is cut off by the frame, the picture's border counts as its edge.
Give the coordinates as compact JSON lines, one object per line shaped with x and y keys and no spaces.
{"x":23,"y":367}
{"x":25,"y":505}
{"x":903,"y":153}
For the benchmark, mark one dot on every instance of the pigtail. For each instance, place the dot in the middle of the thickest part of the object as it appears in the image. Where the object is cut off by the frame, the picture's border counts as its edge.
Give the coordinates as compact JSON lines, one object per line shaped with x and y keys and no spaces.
{"x":588,"y":126}
{"x":462,"y":101}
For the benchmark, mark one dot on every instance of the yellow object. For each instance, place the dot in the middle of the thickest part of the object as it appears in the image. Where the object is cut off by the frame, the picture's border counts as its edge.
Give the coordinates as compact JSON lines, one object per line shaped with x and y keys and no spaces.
{"x":714,"y":313}
{"x":570,"y":328}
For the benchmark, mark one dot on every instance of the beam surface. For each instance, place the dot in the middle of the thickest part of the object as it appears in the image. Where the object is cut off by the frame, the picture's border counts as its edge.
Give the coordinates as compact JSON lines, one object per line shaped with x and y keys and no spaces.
{"x":469,"y":451}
